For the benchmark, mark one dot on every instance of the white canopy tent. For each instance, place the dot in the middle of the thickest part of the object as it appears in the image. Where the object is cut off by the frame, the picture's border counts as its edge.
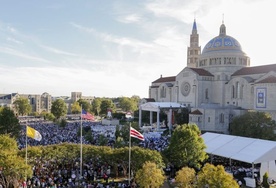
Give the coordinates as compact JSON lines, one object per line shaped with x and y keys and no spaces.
{"x":155,"y":107}
{"x":249,"y":150}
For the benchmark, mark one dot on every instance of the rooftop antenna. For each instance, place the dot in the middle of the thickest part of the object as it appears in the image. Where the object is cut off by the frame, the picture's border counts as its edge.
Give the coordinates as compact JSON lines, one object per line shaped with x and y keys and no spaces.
{"x":222,"y":18}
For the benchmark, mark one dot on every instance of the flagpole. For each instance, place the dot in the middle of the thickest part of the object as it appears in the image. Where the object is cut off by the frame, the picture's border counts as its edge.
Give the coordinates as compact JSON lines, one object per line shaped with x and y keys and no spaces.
{"x":129,"y":155}
{"x":81,"y":144}
{"x":26,"y":154}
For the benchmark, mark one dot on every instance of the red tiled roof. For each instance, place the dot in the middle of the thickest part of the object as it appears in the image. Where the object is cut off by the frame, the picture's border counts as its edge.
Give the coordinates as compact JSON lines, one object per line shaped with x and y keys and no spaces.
{"x":255,"y":70}
{"x":154,"y":86}
{"x":270,"y":79}
{"x":165,"y":79}
{"x":201,"y":72}
{"x":150,"y":99}
{"x":196,"y":112}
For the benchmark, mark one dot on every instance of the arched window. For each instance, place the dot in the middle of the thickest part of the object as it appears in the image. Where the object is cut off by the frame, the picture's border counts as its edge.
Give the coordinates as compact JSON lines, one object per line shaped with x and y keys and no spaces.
{"x":221,"y":118}
{"x":237,"y":90}
{"x":242,"y":87}
{"x":199,"y":119}
{"x":163,"y":92}
{"x":233,"y":91}
{"x":156,"y":93}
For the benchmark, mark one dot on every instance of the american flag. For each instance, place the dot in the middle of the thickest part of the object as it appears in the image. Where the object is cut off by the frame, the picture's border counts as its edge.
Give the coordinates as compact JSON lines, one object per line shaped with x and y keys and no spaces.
{"x":136,"y":134}
{"x":87,"y":115}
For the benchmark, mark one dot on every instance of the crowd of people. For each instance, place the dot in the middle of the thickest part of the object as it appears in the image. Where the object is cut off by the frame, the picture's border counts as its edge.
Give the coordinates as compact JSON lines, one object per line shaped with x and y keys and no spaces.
{"x":54,"y":134}
{"x":238,"y":169}
{"x":64,"y":173}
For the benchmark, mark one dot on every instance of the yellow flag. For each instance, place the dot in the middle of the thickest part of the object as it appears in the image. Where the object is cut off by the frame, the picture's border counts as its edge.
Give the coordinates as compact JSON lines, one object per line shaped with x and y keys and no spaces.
{"x":32,"y":133}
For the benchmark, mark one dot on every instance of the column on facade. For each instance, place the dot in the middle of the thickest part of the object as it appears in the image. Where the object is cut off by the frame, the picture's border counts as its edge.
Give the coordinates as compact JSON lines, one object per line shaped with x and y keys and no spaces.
{"x":150,"y":118}
{"x":158,"y":121}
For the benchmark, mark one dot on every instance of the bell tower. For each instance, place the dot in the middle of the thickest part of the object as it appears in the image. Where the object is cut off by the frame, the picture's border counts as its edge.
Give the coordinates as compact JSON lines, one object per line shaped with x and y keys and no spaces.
{"x":194,"y":51}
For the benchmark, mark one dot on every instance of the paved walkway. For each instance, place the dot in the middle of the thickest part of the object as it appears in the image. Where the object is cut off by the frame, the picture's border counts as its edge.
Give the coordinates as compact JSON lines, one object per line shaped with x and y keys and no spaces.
{"x":166,"y":184}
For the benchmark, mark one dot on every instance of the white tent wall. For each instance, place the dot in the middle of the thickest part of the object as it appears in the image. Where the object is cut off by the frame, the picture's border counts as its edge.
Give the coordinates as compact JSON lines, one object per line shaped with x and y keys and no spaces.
{"x":249,"y":150}
{"x":268,"y":167}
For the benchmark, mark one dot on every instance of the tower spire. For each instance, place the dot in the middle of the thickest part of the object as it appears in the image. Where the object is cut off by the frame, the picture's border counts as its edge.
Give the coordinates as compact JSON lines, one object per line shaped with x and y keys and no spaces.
{"x":222,"y":29}
{"x":194,"y":27}
{"x":194,"y":50}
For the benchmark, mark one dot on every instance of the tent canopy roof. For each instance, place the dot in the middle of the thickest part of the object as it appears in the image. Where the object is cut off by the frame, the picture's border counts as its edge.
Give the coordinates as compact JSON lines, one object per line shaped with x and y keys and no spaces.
{"x":156,"y":106}
{"x":250,"y":150}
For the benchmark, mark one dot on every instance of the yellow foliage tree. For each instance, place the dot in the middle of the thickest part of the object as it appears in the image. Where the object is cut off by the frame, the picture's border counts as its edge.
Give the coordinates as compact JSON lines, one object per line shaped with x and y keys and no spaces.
{"x":150,"y":176}
{"x":214,"y":177}
{"x":13,"y":167}
{"x":185,"y":178}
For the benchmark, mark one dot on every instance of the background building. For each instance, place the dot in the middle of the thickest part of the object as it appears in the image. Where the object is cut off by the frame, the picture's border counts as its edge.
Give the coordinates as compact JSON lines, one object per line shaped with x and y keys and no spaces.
{"x":43,"y":102}
{"x":39,"y":103}
{"x":218,"y":83}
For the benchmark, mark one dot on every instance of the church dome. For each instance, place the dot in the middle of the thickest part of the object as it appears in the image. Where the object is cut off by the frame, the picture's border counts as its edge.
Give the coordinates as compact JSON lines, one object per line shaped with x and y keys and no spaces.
{"x":222,"y":43}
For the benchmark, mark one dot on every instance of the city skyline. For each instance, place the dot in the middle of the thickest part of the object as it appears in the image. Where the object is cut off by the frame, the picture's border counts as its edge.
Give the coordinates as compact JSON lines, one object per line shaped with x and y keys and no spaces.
{"x":117,"y":48}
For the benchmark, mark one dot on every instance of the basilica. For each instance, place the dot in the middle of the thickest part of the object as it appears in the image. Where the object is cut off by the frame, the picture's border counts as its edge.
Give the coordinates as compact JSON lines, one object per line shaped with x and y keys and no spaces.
{"x":218,"y":83}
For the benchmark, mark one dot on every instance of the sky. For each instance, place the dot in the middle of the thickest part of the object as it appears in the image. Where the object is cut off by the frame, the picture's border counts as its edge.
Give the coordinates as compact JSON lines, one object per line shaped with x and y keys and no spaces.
{"x":117,"y":48}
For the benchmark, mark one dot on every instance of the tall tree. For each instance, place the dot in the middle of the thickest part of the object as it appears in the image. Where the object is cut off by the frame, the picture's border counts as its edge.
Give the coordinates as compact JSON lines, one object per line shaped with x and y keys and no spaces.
{"x":136,"y":99}
{"x":265,"y":183}
{"x":59,"y":108}
{"x":107,"y":104}
{"x":254,"y":125}
{"x":13,"y":167}
{"x":85,"y":105}
{"x":48,"y":116}
{"x":116,"y":157}
{"x":150,"y":175}
{"x":140,"y":155}
{"x":128,"y":104}
{"x":9,"y":124}
{"x":22,"y":106}
{"x":96,"y":106}
{"x":189,"y":145}
{"x":75,"y":108}
{"x":215,"y":176}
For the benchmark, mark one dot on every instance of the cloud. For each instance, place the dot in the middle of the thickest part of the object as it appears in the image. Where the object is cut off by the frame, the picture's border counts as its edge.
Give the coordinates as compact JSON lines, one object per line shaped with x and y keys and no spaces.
{"x":20,"y":54}
{"x":59,"y":81}
{"x":140,"y":57}
{"x":57,"y":51}
{"x":174,"y":9}
{"x":14,"y":40}
{"x":132,"y":45}
{"x":82,"y":28}
{"x":11,"y":29}
{"x":130,"y":18}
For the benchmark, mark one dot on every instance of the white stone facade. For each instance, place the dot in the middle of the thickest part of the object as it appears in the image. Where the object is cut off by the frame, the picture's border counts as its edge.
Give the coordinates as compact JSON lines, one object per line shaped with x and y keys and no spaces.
{"x":218,"y":84}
